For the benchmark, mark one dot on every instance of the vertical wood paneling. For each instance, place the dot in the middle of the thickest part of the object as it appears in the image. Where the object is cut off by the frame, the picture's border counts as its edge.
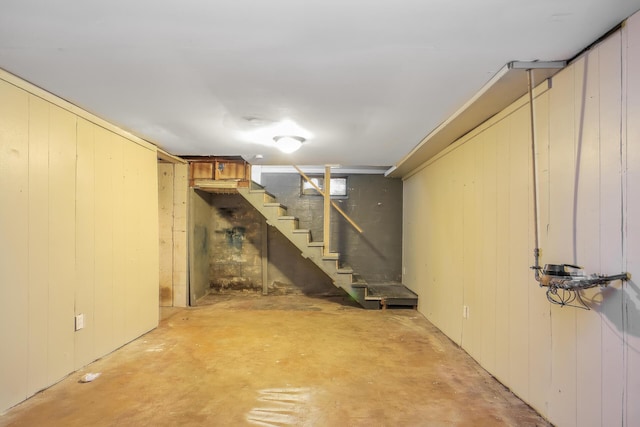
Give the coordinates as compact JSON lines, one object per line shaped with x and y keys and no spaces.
{"x":104,"y":244}
{"x":558,"y":248}
{"x":147,"y":190}
{"x":631,"y":308}
{"x":539,"y":311}
{"x":575,"y":367}
{"x":587,"y":236}
{"x":503,"y":297}
{"x":476,"y":245}
{"x":610,"y":299}
{"x":38,"y":306}
{"x":519,"y":259}
{"x":62,"y":226}
{"x":489,"y":274}
{"x":151,"y":262}
{"x":118,"y":212}
{"x":62,"y":168}
{"x":14,"y":255}
{"x":469,"y":228}
{"x":452,"y":275}
{"x":85,"y":243}
{"x":132,"y":257}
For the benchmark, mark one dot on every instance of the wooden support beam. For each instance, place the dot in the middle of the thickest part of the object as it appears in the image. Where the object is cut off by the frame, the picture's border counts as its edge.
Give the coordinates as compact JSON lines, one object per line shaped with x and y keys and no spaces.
{"x":265,"y":257}
{"x":327,"y":209}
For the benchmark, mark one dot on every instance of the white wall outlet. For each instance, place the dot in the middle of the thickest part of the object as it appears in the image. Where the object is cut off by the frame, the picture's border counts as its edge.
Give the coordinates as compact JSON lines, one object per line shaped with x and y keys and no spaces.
{"x":79,"y":321}
{"x":465,"y":311}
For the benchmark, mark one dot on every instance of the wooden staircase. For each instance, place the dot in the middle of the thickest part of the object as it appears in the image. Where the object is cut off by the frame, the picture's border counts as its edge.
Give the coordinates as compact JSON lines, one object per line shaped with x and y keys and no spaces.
{"x":369,"y":296}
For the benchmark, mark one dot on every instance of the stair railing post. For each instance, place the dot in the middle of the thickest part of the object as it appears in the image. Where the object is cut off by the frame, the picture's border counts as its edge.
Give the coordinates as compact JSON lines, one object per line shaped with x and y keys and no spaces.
{"x":327,"y":210}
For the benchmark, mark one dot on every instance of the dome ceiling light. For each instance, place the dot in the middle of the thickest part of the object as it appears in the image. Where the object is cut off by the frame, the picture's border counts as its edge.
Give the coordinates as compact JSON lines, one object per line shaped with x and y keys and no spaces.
{"x":288,"y":143}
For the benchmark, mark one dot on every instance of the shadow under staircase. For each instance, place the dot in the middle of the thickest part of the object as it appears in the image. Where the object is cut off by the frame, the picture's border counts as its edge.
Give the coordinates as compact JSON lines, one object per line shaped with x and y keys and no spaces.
{"x":369,"y":296}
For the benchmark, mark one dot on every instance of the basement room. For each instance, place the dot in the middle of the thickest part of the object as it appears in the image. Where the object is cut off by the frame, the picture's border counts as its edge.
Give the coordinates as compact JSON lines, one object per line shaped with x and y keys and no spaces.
{"x":320,"y":214}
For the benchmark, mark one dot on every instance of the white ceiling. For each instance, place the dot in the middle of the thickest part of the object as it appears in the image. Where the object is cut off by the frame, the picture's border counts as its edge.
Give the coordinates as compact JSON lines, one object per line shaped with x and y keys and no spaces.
{"x":363,"y":80}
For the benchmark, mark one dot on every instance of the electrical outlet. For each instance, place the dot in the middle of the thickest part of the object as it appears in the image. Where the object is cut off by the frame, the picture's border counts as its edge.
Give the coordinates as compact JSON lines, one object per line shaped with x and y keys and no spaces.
{"x":79,"y":321}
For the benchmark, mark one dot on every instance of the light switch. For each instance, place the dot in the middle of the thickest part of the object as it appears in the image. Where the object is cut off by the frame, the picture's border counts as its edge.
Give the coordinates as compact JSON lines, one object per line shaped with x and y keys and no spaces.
{"x":79,"y":321}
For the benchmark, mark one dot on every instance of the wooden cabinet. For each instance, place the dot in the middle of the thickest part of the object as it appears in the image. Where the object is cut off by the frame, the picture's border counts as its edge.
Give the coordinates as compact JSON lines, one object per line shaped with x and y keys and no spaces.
{"x":219,"y":169}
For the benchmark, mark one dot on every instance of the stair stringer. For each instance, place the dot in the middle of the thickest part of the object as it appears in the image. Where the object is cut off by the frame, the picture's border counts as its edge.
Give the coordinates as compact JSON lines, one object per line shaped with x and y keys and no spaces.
{"x":342,"y":277}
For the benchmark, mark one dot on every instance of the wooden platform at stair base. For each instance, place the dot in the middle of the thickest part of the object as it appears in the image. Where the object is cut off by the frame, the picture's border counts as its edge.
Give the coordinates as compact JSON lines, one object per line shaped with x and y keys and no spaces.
{"x":392,"y":295}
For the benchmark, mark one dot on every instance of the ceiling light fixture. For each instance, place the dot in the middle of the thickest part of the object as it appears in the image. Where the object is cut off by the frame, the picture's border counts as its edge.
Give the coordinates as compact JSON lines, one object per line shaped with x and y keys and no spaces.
{"x":288,"y":144}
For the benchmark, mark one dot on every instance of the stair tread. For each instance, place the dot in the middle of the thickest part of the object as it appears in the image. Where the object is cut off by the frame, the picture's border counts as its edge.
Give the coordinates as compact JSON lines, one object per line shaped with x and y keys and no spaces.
{"x":345,"y":270}
{"x":331,"y":256}
{"x":274,"y":205}
{"x":359,"y":284}
{"x":287,"y":217}
{"x":391,"y":291}
{"x":301,"y":230}
{"x":316,"y":244}
{"x":261,"y":192}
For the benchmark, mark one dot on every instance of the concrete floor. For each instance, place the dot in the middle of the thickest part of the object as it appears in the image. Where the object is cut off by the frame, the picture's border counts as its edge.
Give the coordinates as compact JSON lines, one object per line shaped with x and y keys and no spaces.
{"x":281,"y":361}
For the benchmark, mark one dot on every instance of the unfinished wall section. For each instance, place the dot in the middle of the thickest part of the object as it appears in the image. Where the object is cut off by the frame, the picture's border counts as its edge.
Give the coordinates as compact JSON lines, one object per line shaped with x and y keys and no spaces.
{"x":468,"y":239}
{"x":236,"y":241}
{"x":78,"y":236}
{"x":172,"y":201}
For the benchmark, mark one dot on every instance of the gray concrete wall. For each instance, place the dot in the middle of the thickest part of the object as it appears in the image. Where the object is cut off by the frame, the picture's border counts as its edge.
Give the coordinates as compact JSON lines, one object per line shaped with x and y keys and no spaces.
{"x":373,"y":202}
{"x":235,"y":258}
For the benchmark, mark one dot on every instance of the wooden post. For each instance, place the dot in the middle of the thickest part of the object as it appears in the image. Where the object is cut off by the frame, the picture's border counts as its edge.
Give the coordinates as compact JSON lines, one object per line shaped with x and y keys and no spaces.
{"x":265,"y":257}
{"x":327,"y":210}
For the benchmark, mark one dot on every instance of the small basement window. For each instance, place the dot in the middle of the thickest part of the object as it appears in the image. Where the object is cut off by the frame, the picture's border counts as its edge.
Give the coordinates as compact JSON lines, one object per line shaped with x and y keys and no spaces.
{"x":338,"y":186}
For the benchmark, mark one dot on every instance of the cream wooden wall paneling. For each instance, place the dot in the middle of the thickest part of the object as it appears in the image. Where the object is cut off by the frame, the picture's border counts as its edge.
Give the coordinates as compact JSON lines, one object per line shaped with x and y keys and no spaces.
{"x":132,"y":223}
{"x":489,"y":270}
{"x":14,"y":226}
{"x":608,"y":302}
{"x":85,"y":243}
{"x":447,"y":259}
{"x":453,"y":289}
{"x":165,"y":218}
{"x":437,"y":265}
{"x":539,"y":311}
{"x":38,"y":306}
{"x":519,"y":253}
{"x":411,"y":201}
{"x":472,"y":211}
{"x":180,"y":267}
{"x":120,"y":241}
{"x":631,"y":307}
{"x":148,"y":187}
{"x":586,"y":223}
{"x":428,"y":232}
{"x":131,"y":233}
{"x":105,"y":340}
{"x":62,"y":251}
{"x":503,"y":297}
{"x":429,"y":267}
{"x":558,"y":245}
